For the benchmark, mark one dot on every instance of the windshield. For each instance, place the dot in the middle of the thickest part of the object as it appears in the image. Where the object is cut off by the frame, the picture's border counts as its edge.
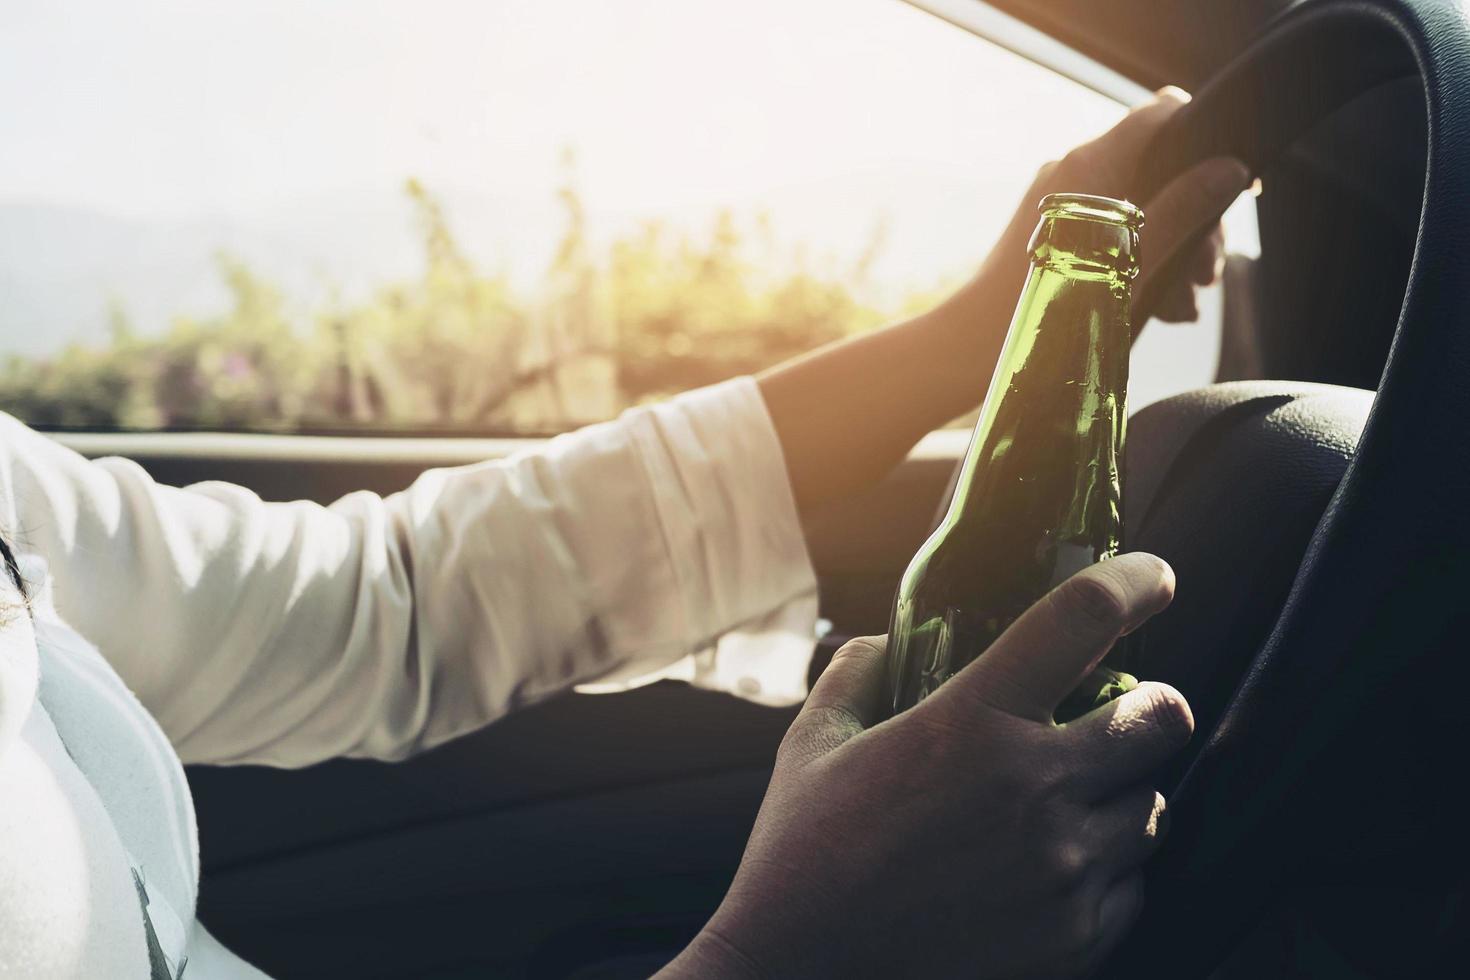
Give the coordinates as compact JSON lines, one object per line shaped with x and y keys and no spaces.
{"x":482,"y":217}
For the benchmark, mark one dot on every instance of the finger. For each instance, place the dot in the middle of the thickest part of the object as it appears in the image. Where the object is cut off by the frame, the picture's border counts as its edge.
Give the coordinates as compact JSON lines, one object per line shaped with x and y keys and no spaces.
{"x":1122,"y":743}
{"x":1032,"y":666}
{"x":1209,"y":258}
{"x":1178,"y":305}
{"x":848,"y":693}
{"x":1123,"y":145}
{"x":1124,"y":832}
{"x":1117,"y":912}
{"x":1186,"y":209}
{"x":1105,"y":164}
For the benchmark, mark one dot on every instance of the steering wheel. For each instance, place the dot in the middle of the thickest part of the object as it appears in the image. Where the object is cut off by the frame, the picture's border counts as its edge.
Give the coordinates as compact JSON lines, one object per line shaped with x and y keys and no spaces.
{"x":1346,"y":716}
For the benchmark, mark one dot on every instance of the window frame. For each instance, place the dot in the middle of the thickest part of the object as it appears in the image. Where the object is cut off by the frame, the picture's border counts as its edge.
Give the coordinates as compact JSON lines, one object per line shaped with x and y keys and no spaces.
{"x":1019,"y":37}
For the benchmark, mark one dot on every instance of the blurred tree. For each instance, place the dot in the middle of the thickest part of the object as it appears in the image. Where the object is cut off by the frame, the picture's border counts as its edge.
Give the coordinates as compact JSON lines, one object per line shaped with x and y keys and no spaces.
{"x":456,"y":348}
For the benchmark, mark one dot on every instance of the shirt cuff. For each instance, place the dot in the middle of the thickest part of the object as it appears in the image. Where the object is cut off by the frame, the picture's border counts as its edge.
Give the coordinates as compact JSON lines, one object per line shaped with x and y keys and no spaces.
{"x":739,"y":559}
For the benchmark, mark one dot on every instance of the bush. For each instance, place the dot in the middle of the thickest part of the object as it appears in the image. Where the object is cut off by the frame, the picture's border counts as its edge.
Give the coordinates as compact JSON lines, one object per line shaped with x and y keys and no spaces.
{"x":457,"y":349}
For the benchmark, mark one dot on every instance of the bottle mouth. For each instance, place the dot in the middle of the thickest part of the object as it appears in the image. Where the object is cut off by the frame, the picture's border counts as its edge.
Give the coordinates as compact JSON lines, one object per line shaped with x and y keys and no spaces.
{"x":1092,"y":206}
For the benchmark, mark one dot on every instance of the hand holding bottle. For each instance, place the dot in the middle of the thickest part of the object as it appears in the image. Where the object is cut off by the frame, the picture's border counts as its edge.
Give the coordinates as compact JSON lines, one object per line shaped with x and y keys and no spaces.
{"x":970,"y":836}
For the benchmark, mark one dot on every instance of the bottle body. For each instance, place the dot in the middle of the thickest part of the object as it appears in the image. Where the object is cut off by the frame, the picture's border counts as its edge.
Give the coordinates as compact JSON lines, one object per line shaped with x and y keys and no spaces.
{"x":1040,"y":491}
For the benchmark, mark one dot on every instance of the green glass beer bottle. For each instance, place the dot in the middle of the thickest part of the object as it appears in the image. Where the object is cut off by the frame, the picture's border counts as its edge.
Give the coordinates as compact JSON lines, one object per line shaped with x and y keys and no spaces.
{"x":1039,"y":495}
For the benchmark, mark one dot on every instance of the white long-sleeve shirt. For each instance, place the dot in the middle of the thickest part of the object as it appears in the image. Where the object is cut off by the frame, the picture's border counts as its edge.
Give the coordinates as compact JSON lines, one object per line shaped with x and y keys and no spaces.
{"x":204,"y":625}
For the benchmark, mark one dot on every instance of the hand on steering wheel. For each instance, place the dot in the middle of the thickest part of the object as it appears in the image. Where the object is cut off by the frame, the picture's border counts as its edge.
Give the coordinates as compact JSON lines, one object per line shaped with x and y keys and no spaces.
{"x":1181,"y":218}
{"x":969,"y":835}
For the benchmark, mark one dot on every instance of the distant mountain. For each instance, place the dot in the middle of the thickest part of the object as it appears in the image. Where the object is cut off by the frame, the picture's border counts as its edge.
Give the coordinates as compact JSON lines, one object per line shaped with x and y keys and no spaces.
{"x":59,"y":266}
{"x":61,"y":269}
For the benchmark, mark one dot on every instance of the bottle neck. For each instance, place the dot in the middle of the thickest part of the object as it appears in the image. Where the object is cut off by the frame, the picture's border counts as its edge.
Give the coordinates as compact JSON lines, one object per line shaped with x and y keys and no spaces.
{"x":1086,"y":247}
{"x":1052,"y":421}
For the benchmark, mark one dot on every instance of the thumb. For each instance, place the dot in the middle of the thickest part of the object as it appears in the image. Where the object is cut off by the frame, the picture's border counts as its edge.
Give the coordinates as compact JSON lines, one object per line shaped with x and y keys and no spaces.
{"x":1184,"y":211}
{"x":1037,"y":662}
{"x":844,"y":702}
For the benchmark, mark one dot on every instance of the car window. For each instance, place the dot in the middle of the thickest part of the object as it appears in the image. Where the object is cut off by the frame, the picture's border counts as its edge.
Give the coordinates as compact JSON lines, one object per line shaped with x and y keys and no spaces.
{"x":511,"y":217}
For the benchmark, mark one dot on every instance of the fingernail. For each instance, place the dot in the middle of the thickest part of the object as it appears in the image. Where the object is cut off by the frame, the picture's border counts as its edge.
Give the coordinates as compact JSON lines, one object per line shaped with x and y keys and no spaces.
{"x":1161,"y":821}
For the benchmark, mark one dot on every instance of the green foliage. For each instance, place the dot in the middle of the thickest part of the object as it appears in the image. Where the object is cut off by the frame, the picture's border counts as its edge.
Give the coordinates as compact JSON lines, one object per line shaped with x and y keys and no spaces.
{"x":460,"y":349}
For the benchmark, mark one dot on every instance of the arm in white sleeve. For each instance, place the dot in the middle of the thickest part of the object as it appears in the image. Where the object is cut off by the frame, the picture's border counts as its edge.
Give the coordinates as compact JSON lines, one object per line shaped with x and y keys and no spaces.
{"x":287,"y":633}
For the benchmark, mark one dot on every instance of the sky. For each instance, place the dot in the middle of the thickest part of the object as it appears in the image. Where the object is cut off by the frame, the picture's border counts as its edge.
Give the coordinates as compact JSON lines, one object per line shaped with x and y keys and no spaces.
{"x":145,"y":107}
{"x":285,"y":129}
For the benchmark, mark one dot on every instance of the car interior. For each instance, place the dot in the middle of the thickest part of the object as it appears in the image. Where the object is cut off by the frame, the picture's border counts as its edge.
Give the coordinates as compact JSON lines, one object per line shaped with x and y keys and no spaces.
{"x":1311,"y":502}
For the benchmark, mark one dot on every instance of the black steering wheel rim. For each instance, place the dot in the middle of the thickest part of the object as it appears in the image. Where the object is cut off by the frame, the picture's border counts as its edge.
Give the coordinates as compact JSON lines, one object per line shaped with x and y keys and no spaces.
{"x":1376,"y":598}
